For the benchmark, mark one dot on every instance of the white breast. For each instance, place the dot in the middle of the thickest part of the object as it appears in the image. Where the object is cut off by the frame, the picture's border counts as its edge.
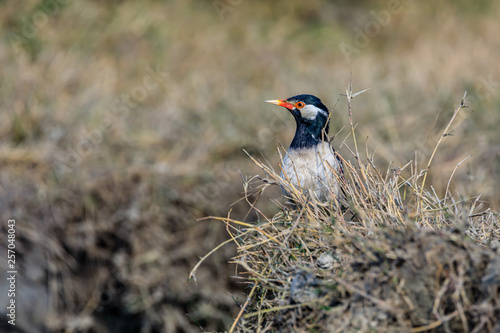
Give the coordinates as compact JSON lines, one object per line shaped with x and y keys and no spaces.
{"x":316,"y":169}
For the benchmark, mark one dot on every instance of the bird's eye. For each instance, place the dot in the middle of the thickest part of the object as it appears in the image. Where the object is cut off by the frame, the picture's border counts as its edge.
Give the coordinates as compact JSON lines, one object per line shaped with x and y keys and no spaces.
{"x":300,"y":105}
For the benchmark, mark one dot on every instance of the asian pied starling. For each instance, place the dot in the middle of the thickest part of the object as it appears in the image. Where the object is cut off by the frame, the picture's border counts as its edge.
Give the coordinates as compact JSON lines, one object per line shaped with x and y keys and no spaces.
{"x":310,"y":163}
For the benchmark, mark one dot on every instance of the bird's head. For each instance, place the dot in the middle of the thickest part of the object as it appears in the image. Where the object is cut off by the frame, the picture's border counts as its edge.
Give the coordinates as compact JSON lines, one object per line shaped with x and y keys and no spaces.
{"x":308,"y":111}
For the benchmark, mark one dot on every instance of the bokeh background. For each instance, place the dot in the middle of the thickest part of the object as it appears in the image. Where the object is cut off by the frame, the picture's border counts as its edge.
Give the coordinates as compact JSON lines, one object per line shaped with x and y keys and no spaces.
{"x":124,"y":122}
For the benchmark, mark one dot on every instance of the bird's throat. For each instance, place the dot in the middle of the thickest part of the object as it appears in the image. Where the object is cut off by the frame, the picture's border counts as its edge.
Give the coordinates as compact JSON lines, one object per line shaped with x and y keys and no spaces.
{"x":308,"y":135}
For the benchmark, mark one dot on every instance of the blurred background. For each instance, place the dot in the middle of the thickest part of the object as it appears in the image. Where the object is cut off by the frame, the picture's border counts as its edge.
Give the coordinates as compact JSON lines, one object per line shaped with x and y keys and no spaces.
{"x":124,"y":122}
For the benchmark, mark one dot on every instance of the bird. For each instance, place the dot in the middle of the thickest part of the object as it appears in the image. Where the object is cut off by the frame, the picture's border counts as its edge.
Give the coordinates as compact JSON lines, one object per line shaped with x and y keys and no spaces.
{"x":310,"y":163}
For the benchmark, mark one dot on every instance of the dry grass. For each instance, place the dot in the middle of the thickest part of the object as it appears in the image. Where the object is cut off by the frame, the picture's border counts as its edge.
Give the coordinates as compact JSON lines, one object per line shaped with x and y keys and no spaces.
{"x":107,"y":225}
{"x":390,"y":255}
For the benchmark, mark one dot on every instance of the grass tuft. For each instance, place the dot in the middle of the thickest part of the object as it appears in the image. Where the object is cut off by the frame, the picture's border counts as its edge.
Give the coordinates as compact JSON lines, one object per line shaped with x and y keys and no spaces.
{"x":389,"y":255}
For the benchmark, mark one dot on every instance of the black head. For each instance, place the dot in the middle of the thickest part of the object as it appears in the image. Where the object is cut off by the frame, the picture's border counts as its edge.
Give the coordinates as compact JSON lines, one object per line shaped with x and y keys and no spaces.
{"x":311,"y":116}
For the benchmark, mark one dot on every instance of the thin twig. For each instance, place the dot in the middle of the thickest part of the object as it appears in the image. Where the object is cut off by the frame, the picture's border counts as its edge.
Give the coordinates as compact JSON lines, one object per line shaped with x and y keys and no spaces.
{"x":445,"y":133}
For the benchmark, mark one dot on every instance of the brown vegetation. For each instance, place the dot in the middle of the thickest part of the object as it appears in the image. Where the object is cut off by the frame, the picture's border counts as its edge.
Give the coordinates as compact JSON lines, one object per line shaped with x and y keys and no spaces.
{"x":124,"y":122}
{"x":389,"y":256}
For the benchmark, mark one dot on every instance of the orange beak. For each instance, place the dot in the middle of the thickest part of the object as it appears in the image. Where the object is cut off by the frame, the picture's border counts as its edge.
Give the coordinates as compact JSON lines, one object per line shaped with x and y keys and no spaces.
{"x":280,"y":102}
